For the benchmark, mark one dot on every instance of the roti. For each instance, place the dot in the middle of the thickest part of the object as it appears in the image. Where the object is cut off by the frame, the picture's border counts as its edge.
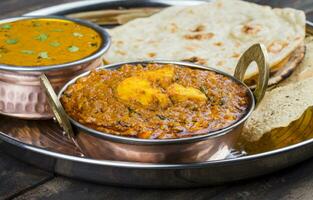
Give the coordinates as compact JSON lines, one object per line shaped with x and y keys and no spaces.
{"x":280,"y":72}
{"x":285,"y":103}
{"x":305,"y":69}
{"x":213,"y":34}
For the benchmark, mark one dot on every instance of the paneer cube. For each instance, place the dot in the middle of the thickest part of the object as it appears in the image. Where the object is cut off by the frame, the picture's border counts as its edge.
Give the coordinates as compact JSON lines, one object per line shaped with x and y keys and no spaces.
{"x":179,"y":93}
{"x":137,"y":89}
{"x":163,"y":76}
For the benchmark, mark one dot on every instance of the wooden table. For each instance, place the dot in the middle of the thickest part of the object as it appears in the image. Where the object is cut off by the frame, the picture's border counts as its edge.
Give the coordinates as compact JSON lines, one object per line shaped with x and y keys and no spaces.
{"x":21,"y":181}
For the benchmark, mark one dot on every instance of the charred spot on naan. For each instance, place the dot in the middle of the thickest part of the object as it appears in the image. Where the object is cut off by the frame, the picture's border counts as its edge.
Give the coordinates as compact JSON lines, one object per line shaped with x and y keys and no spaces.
{"x":235,"y":55}
{"x":219,"y":44}
{"x":199,"y":36}
{"x":121,"y":52}
{"x":196,"y":60}
{"x":220,"y":63}
{"x":119,"y":42}
{"x":152,"y":54}
{"x":250,"y":29}
{"x":277,"y":46}
{"x":173,"y":27}
{"x":191,"y":48}
{"x":198,"y":28}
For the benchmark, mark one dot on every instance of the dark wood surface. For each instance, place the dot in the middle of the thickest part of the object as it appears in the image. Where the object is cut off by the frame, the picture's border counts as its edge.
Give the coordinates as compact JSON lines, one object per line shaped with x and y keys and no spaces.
{"x":21,"y":181}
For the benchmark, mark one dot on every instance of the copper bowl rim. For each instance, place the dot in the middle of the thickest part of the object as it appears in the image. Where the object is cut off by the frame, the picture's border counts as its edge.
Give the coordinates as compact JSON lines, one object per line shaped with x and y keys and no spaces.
{"x":130,"y":140}
{"x":105,"y":44}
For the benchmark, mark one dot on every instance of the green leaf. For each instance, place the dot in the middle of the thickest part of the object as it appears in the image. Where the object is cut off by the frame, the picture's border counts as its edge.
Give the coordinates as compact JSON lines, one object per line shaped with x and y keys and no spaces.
{"x":77,"y":34}
{"x":43,"y":55}
{"x":55,"y":44}
{"x":28,"y":52}
{"x":73,"y":48}
{"x":161,"y":117}
{"x":42,"y":37}
{"x":204,"y":90}
{"x":36,"y":24}
{"x":6,"y":26}
{"x":11,"y":41}
{"x":94,"y":44}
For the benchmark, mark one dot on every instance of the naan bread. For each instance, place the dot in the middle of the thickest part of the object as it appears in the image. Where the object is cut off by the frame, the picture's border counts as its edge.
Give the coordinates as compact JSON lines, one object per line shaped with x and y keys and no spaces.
{"x":214,"y":34}
{"x":287,"y":102}
{"x":279,"y":108}
{"x":282,"y":70}
{"x":305,"y":69}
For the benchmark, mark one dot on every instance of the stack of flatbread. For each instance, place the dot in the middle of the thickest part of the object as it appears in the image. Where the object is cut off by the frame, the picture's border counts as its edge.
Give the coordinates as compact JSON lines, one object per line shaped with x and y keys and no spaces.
{"x":286,"y":103}
{"x":213,"y":34}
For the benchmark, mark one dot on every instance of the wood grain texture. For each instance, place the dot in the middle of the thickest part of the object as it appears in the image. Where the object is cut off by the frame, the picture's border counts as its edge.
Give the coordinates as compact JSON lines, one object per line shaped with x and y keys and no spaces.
{"x":292,"y":183}
{"x":19,"y":7}
{"x":16,"y":177}
{"x":63,"y":188}
{"x":25,"y":182}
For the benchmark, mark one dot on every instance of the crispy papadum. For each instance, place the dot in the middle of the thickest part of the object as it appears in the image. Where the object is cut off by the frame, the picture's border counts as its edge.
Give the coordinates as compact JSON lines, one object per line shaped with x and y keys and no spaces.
{"x":279,"y":108}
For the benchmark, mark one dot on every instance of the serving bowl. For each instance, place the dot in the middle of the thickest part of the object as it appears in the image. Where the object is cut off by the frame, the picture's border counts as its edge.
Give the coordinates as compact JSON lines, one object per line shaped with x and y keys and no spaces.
{"x":21,"y":94}
{"x":210,"y":146}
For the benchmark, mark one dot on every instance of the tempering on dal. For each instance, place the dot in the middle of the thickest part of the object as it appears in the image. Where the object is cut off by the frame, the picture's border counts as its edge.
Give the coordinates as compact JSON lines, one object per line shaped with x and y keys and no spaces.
{"x":156,"y":101}
{"x":43,"y":42}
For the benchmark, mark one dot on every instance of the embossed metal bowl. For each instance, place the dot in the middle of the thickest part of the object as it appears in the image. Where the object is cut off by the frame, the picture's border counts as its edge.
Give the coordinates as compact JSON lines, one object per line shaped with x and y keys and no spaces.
{"x":21,"y":94}
{"x":210,"y":146}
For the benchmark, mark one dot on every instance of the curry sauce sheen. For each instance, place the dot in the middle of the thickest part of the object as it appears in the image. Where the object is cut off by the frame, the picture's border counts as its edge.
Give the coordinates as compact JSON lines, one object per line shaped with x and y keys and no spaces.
{"x":156,"y":101}
{"x":45,"y":41}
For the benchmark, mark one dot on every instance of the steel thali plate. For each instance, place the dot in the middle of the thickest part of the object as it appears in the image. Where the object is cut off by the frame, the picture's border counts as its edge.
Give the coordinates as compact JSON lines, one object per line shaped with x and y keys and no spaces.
{"x":41,"y":144}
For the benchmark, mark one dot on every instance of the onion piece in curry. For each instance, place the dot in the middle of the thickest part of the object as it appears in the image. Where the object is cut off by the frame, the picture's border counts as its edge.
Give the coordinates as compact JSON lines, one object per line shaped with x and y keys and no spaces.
{"x":158,"y":101}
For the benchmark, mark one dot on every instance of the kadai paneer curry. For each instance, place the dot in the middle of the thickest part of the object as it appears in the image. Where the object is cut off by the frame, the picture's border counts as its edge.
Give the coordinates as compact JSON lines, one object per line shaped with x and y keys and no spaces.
{"x":158,"y":101}
{"x":46,"y":41}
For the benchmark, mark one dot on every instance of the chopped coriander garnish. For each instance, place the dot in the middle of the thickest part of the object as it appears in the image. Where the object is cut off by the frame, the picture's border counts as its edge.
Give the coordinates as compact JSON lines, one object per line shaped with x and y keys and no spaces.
{"x":55,"y":44}
{"x":28,"y":52}
{"x":42,"y":37}
{"x":77,"y":34}
{"x":6,"y":26}
{"x":161,"y":117}
{"x":130,"y":111}
{"x":94,"y":44}
{"x":36,"y":24}
{"x":11,"y":41}
{"x":204,"y":90}
{"x":43,"y":54}
{"x":73,"y":48}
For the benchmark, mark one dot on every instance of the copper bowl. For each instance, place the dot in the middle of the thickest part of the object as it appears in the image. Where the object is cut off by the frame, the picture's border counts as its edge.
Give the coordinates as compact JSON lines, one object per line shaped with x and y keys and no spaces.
{"x":21,"y":94}
{"x":211,"y":146}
